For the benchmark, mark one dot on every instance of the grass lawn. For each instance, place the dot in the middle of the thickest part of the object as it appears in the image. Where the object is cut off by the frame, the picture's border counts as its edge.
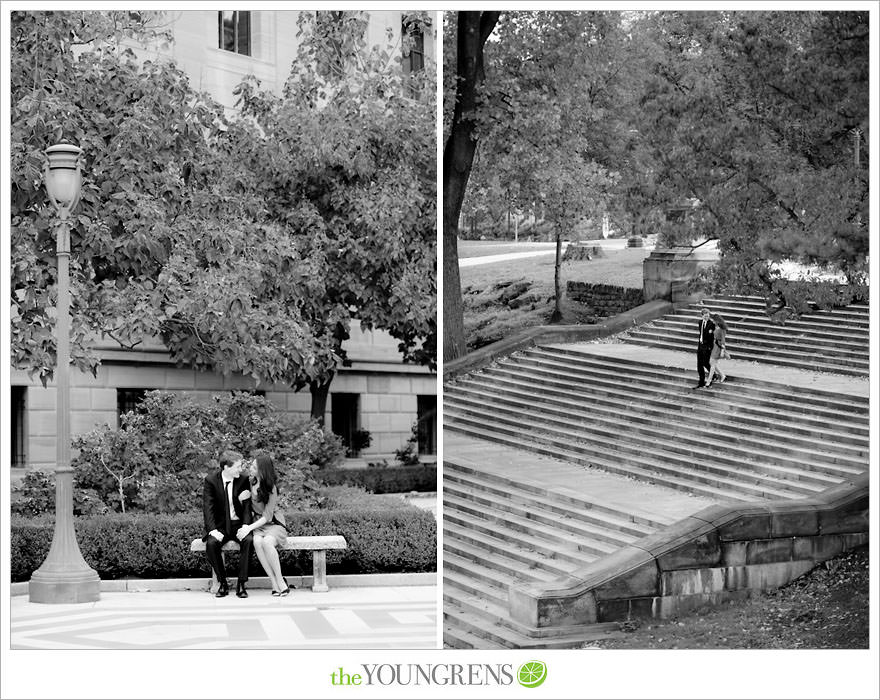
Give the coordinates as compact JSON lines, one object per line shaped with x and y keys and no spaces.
{"x":825,"y":609}
{"x":502,"y":298}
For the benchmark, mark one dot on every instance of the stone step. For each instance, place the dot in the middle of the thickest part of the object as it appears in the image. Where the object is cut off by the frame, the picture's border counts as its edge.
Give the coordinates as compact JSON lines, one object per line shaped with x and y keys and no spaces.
{"x":682,"y":441}
{"x":482,"y":533}
{"x":839,"y":402}
{"x":640,"y":519}
{"x":471,"y":609}
{"x":569,"y":523}
{"x":743,"y":338}
{"x":528,"y":527}
{"x":709,"y":406}
{"x":513,"y":563}
{"x":602,"y":457}
{"x":803,"y":363}
{"x":845,"y":315}
{"x":708,"y":468}
{"x":666,"y":382}
{"x":759,"y":331}
{"x":462,"y":519}
{"x":455,"y":638}
{"x":811,"y":454}
{"x":493,"y":593}
{"x":497,"y":635}
{"x":760,"y":433}
{"x":592,"y":512}
{"x":860,"y":308}
{"x":482,"y":571}
{"x":787,"y":347}
{"x":548,"y":381}
{"x":805,"y":325}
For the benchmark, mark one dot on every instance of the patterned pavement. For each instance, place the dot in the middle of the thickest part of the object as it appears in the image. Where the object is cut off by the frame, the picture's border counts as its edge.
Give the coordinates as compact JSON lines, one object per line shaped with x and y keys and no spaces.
{"x":397,"y":617}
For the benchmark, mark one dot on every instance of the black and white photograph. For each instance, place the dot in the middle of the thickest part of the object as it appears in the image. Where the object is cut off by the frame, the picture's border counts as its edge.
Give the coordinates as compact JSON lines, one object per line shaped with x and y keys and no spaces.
{"x":656,"y":329}
{"x":414,"y":350}
{"x":223,"y":382}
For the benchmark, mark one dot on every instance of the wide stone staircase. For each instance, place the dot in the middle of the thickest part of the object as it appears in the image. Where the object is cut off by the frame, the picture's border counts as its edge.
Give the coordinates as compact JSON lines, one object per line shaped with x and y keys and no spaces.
{"x":833,"y":340}
{"x":498,"y":531}
{"x":748,"y":439}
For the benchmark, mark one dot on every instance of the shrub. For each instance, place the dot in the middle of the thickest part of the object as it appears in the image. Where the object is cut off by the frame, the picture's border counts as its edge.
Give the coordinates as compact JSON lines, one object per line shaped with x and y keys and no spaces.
{"x":38,"y":496}
{"x":157,"y":459}
{"x":360,"y":440}
{"x":409,"y":453}
{"x":387,"y":479}
{"x":344,"y":497}
{"x":157,"y":546}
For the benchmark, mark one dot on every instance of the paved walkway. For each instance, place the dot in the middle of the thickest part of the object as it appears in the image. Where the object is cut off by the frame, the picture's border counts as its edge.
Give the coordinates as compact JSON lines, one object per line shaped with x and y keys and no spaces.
{"x":389,"y":617}
{"x":843,"y":384}
{"x":501,"y":257}
{"x":660,"y":504}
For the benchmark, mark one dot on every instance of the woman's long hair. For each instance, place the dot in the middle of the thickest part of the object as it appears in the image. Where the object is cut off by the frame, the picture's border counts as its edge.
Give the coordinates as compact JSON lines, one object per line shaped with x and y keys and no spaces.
{"x":719,"y":321}
{"x":266,"y":477}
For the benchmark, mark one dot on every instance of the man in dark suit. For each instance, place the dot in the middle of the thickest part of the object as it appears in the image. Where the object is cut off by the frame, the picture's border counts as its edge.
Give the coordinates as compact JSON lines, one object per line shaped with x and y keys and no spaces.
{"x":704,"y":348}
{"x":226,"y":505}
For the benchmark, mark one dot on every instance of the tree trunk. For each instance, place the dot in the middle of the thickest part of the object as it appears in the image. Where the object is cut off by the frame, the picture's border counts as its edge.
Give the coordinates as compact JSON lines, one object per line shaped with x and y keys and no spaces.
{"x":458,"y":158}
{"x":556,"y":316}
{"x":121,"y":496}
{"x":319,"y":390}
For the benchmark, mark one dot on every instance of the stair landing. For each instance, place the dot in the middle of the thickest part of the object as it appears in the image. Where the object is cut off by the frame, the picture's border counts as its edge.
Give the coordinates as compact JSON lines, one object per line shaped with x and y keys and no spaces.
{"x":838,"y":383}
{"x":659,"y":504}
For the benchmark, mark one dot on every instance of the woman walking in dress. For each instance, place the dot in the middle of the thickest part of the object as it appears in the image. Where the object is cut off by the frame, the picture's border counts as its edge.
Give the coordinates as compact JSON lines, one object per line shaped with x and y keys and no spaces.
{"x":269,"y":527}
{"x":719,"y":350}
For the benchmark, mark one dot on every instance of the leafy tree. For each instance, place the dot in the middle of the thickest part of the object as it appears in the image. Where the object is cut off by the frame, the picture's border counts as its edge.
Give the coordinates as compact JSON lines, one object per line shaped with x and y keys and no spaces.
{"x":168,"y":240}
{"x":752,"y":114}
{"x":156,"y":460}
{"x":346,"y":160}
{"x":550,"y":82}
{"x":186,"y":231}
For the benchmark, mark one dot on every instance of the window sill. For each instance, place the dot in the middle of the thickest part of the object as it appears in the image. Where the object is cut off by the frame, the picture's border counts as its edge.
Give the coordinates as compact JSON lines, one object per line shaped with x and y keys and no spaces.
{"x":238,"y":56}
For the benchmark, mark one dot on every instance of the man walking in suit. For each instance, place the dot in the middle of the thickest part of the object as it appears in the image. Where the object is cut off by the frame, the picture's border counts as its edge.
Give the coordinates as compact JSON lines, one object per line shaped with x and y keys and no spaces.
{"x":704,"y":348}
{"x":226,"y":505}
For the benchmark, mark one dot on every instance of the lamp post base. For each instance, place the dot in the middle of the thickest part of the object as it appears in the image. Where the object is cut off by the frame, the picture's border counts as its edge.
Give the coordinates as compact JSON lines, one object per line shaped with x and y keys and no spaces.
{"x":64,"y":587}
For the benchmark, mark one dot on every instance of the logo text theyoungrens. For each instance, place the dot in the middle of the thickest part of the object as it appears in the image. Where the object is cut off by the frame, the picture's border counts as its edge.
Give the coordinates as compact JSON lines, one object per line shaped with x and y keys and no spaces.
{"x":425,"y":674}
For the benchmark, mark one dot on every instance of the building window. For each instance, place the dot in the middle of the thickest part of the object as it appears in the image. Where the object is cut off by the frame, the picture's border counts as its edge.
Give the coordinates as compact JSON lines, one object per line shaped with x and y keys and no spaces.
{"x":344,"y":412}
{"x":426,"y":408}
{"x":19,"y":435}
{"x":413,"y":48}
{"x":235,"y":31}
{"x":128,"y":400}
{"x":413,"y":56}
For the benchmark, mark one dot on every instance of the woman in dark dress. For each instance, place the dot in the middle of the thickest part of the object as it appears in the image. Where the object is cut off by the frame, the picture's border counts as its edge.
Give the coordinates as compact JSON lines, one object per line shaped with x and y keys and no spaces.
{"x":269,"y":527}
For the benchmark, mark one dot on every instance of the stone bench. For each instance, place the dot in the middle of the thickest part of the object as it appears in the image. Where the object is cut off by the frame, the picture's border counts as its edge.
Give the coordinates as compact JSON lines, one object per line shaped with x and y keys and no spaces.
{"x":317,"y":544}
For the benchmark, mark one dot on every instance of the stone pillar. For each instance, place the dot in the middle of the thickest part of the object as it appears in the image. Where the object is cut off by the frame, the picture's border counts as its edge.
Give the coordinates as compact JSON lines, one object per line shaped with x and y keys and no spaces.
{"x":666,"y":272}
{"x":319,"y":571}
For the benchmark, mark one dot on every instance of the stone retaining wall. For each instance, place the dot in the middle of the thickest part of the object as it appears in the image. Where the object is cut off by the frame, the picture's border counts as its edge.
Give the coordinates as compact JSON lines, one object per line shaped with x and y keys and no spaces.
{"x":605,"y":299}
{"x":720,"y":553}
{"x":536,"y":335}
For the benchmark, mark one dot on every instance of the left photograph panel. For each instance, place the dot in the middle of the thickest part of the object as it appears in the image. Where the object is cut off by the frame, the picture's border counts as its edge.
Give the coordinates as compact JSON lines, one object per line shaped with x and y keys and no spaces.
{"x":223,"y":329}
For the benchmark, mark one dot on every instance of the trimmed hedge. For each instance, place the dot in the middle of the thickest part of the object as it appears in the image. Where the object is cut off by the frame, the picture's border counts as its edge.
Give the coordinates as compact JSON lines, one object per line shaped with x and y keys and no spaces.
{"x":422,"y":477}
{"x":157,"y":546}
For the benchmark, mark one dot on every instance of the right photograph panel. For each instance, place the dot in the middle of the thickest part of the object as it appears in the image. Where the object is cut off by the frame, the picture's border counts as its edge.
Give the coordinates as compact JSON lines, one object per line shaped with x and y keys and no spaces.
{"x":656,"y":330}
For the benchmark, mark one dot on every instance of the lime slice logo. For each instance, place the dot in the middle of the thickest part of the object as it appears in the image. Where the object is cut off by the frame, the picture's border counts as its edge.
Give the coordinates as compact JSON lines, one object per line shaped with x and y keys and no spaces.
{"x":532,"y":673}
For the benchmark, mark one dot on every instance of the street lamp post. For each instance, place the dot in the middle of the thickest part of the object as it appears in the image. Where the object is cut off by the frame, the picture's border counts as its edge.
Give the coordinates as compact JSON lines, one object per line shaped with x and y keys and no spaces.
{"x":64,"y":577}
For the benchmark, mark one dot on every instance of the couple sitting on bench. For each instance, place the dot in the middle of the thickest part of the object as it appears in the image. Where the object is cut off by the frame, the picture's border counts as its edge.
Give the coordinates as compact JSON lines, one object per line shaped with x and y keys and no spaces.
{"x":239,"y":503}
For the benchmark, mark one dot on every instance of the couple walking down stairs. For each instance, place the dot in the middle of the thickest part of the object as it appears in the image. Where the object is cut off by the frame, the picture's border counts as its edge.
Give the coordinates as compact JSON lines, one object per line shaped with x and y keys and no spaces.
{"x":559,"y":455}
